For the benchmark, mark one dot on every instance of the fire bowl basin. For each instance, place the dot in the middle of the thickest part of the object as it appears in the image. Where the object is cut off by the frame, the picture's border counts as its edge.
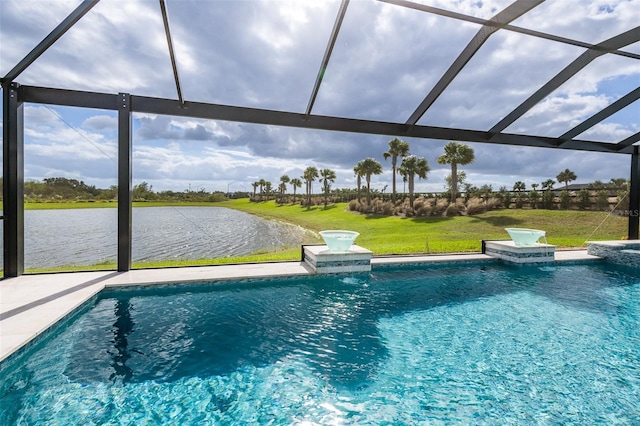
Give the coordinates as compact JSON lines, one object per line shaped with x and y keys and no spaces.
{"x":339,"y":240}
{"x":524,"y":236}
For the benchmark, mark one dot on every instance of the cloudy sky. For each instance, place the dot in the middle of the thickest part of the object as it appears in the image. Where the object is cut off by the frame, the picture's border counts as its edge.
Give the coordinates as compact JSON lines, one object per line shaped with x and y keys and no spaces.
{"x":266,"y":54}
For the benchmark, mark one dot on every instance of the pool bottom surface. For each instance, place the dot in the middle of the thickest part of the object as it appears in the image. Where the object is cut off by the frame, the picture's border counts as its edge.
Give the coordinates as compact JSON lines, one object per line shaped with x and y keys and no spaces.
{"x":471,"y":344}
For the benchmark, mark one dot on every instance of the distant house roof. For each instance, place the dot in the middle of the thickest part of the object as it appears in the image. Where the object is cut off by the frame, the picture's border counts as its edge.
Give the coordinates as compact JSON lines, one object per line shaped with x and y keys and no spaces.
{"x":573,"y":187}
{"x":580,"y":186}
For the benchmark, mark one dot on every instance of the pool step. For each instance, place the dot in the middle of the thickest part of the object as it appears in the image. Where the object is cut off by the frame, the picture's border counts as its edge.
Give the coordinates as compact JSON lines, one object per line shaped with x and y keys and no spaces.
{"x":622,"y":252}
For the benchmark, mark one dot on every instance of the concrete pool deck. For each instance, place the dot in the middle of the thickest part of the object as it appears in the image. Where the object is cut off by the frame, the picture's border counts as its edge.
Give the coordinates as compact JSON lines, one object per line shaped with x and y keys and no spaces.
{"x":31,"y":304}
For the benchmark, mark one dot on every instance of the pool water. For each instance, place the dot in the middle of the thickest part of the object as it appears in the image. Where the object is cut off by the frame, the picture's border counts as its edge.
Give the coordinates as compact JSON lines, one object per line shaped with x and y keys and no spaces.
{"x":475,"y":344}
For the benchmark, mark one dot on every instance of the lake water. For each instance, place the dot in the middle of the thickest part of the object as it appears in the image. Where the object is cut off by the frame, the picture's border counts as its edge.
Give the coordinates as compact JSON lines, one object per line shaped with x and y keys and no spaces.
{"x":89,"y":236}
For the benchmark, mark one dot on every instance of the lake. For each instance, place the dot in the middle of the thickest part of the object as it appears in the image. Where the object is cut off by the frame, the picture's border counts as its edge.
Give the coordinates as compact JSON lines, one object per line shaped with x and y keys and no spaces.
{"x":89,"y":236}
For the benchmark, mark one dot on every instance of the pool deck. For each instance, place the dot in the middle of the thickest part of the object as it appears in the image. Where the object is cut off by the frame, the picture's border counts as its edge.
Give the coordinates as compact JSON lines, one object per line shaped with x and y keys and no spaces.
{"x":31,"y":304}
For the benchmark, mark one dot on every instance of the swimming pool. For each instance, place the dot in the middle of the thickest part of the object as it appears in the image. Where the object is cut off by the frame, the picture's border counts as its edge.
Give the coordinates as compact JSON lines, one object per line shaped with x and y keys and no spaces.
{"x":473,"y":343}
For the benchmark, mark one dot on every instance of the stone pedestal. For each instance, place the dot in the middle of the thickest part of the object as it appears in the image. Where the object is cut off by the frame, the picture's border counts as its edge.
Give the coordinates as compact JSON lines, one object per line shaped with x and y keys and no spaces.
{"x":507,"y":250}
{"x":323,"y":261}
{"x":623,"y":252}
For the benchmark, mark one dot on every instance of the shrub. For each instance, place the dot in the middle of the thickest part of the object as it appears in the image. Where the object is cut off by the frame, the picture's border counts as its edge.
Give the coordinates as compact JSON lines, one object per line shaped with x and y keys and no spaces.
{"x":565,"y":200}
{"x":506,"y":197}
{"x":602,"y":200}
{"x":454,"y":210}
{"x":353,"y":205}
{"x":584,"y":199}
{"x":387,"y":208}
{"x":439,"y":207}
{"x":547,"y":200}
{"x":622,"y":199}
{"x":423,"y":211}
{"x":534,"y":198}
{"x":475,"y":206}
{"x":493,"y":203}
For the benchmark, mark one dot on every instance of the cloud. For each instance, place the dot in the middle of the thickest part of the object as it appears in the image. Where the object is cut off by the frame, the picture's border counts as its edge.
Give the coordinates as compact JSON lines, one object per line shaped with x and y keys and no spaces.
{"x":168,"y":128}
{"x":101,"y":122}
{"x":53,"y":148}
{"x":267,"y":54}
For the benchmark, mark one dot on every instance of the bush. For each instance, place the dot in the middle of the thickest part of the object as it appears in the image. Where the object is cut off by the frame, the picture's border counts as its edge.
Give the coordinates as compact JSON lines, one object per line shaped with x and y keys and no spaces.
{"x":475,"y":206}
{"x":584,"y":199}
{"x":363,"y":208}
{"x":505,"y":196}
{"x":534,"y":199}
{"x":439,"y":207}
{"x":454,"y":210}
{"x":353,"y":205}
{"x":493,"y":203}
{"x":565,"y":200}
{"x":424,"y":210}
{"x":387,"y":208}
{"x":602,"y":200}
{"x":547,"y":199}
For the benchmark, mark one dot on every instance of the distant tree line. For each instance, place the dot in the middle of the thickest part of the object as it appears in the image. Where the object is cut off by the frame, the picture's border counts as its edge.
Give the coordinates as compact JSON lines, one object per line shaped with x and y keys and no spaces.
{"x":64,"y":189}
{"x":458,"y":198}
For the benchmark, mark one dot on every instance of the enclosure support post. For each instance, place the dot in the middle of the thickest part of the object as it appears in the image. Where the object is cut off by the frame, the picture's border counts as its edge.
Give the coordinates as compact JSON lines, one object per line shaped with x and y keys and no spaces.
{"x":13,"y":180}
{"x":634,"y":194}
{"x":124,"y":182}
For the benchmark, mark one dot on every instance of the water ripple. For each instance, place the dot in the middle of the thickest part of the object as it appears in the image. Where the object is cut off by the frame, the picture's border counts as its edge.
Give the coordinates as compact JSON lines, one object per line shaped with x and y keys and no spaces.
{"x":89,"y":236}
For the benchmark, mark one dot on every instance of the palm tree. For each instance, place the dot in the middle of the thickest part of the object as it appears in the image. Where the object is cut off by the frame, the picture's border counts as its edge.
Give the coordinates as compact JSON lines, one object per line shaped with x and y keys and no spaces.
{"x":548,"y":195}
{"x":310,"y":174}
{"x":486,"y":191}
{"x":267,"y":189}
{"x":566,"y":176}
{"x":284,"y":180}
{"x":282,"y":188}
{"x":262,"y":183}
{"x":456,"y":153}
{"x":547,"y":185}
{"x":358,"y":172}
{"x":461,"y":180}
{"x":397,"y":148}
{"x":618,"y":182}
{"x":519,"y":186}
{"x":295,"y":183}
{"x":410,"y":167}
{"x":255,"y":187}
{"x":328,"y":176}
{"x":370,"y":166}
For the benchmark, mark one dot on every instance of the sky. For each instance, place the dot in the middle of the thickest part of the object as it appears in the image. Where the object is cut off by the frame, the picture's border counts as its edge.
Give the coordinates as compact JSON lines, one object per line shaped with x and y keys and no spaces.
{"x":266,"y":54}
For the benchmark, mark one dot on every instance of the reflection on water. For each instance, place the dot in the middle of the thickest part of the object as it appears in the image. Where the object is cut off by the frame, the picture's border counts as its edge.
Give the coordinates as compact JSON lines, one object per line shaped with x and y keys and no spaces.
{"x":89,"y":236}
{"x":120,"y":353}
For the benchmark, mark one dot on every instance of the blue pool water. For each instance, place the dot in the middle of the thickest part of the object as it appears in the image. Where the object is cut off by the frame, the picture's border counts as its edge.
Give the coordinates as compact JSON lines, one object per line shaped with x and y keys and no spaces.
{"x":475,"y":344}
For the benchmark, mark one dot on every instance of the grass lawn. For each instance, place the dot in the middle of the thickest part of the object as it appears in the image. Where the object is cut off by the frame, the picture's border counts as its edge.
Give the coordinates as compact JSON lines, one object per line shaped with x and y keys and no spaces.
{"x":386,"y":235}
{"x":396,"y":235}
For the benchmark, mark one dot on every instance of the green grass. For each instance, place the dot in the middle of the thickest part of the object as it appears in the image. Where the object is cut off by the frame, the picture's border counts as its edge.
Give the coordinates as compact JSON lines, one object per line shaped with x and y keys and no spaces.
{"x":397,"y":235}
{"x":386,"y":235}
